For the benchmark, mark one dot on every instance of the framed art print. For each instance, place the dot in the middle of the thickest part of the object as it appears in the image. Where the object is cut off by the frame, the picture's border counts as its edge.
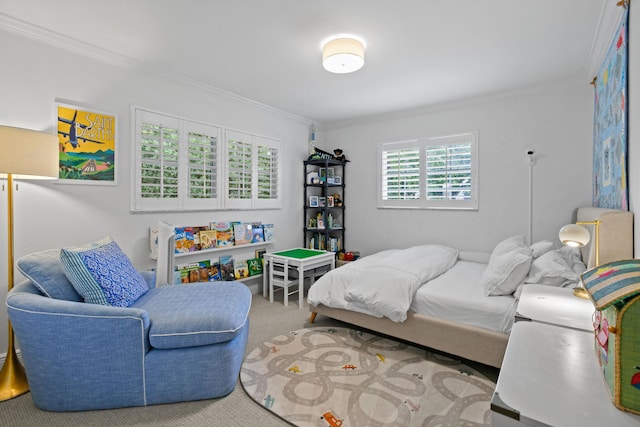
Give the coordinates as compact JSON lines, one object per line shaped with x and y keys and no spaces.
{"x":313,"y":201}
{"x":87,"y":141}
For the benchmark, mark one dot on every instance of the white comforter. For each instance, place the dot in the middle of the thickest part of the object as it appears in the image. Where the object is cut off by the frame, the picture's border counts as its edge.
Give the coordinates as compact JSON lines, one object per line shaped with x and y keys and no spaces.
{"x":383,"y":284}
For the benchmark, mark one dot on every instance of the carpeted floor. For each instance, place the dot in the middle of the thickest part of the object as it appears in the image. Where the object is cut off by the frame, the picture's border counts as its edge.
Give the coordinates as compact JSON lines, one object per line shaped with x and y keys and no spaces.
{"x":236,"y":409}
{"x":344,"y":376}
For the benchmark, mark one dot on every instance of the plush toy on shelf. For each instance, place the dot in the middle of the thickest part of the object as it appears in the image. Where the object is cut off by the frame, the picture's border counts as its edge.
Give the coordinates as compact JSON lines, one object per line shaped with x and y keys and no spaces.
{"x":339,"y":155}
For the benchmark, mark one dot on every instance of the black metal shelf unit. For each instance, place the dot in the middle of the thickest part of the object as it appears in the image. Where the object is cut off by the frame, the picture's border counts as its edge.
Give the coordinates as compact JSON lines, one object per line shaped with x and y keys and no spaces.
{"x":324,"y":209}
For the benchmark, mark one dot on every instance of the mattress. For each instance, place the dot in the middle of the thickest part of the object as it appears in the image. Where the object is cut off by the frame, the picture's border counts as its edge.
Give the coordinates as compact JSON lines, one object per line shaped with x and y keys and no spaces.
{"x":457,"y":295}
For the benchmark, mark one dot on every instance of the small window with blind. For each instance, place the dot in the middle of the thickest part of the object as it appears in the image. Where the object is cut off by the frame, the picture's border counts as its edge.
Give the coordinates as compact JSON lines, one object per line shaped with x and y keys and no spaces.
{"x":185,"y":165}
{"x":429,"y":173}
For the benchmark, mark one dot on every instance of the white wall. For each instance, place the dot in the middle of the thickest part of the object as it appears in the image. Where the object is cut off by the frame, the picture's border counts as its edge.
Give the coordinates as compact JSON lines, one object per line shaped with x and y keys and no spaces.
{"x":556,"y":121}
{"x":50,"y":215}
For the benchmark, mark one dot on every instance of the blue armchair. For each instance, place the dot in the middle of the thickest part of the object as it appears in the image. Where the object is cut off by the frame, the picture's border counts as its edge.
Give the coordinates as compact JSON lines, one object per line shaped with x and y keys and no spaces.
{"x":175,"y":343}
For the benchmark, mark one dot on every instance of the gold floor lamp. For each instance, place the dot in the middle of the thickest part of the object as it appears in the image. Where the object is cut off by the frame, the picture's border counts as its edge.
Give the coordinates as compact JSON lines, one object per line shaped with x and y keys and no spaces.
{"x":24,"y":154}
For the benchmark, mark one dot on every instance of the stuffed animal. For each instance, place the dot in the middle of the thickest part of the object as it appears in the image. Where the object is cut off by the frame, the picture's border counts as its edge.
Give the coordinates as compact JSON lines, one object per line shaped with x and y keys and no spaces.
{"x":339,"y":155}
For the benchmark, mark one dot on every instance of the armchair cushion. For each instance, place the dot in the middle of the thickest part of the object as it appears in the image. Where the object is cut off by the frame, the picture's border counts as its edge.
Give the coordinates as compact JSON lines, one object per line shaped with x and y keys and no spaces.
{"x":45,"y":271}
{"x":196,"y":314}
{"x":103,"y":274}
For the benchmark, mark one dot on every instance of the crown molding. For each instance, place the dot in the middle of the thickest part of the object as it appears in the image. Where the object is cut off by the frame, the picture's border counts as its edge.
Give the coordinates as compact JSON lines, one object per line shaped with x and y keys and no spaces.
{"x":42,"y":35}
{"x":610,"y":17}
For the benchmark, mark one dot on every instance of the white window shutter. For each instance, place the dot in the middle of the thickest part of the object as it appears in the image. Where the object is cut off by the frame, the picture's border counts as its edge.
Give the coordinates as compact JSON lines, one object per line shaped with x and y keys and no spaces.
{"x":239,"y":161}
{"x":203,"y":166}
{"x":267,"y":173}
{"x":157,"y":161}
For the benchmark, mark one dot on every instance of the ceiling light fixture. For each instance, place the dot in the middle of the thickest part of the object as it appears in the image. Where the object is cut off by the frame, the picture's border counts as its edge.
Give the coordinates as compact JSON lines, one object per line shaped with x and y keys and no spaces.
{"x":343,"y":55}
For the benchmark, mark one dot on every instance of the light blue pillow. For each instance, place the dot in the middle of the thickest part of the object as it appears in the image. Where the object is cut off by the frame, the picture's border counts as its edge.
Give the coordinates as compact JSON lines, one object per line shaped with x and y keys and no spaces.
{"x":46,"y":273}
{"x":103,"y":274}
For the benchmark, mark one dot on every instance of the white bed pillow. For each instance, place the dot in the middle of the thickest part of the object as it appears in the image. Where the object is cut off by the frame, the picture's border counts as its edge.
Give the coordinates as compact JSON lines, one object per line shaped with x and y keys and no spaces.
{"x":559,"y":267}
{"x":540,"y":248}
{"x":508,"y":266}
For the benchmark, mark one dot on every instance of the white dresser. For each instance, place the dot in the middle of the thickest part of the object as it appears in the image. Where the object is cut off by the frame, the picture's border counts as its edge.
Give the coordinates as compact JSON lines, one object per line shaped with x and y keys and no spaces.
{"x":550,"y":374}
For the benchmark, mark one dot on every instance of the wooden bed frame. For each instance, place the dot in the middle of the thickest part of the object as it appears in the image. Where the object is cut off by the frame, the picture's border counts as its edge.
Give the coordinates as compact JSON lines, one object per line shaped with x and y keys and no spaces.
{"x":477,"y":344}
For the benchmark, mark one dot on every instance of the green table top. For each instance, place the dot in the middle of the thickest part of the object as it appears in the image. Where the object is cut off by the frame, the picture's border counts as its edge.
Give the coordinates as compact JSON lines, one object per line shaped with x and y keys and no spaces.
{"x":299,"y":253}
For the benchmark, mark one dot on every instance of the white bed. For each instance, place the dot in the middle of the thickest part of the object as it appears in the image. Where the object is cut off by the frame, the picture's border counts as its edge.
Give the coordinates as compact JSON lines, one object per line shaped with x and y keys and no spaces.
{"x":451,"y":311}
{"x":441,"y":298}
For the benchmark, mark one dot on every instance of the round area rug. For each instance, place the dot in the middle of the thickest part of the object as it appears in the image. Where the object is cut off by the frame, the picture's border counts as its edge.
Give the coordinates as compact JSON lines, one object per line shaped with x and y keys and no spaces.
{"x":345,"y":377}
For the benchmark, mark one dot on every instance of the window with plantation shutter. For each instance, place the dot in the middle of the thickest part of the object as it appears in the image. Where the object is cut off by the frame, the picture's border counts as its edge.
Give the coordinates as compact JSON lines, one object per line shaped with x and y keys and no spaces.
{"x":253,"y":171}
{"x":268,"y":174}
{"x":186,"y":165}
{"x":202,"y":166}
{"x":239,"y":170}
{"x":429,"y":173}
{"x":400,"y":174}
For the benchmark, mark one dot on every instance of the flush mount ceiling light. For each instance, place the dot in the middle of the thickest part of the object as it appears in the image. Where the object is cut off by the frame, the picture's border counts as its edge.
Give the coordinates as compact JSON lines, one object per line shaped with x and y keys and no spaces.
{"x":343,"y":55}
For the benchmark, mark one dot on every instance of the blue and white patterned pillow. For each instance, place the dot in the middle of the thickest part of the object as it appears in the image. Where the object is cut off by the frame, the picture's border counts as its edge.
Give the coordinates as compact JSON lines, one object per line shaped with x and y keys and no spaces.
{"x":103,"y":274}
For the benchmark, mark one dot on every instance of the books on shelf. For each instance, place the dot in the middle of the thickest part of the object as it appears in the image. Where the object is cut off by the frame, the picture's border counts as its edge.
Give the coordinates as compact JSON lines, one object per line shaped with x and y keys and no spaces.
{"x":257,"y":232}
{"x":241,"y":269}
{"x":255,"y":266}
{"x":184,"y":240}
{"x":214,"y":272}
{"x":242,"y":233}
{"x":227,"y":267}
{"x":321,"y":242}
{"x":194,"y":272}
{"x":208,"y":239}
{"x":224,"y":233}
{"x":218,"y":234}
{"x":267,"y":230}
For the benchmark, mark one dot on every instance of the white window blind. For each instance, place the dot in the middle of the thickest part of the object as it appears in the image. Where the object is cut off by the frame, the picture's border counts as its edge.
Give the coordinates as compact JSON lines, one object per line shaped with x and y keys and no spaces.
{"x":429,"y":173}
{"x":202,"y":188}
{"x":157,"y":161}
{"x":253,"y":171}
{"x":186,"y":165}
{"x":400,"y":174}
{"x":268,"y":172}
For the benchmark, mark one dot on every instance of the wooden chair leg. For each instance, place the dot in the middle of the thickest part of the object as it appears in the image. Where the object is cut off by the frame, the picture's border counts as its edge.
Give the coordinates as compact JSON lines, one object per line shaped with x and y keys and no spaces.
{"x":312,"y":318}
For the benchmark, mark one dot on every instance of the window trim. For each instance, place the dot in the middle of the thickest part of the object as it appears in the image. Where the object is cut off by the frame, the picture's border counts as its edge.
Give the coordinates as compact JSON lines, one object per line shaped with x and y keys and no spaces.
{"x":421,"y":144}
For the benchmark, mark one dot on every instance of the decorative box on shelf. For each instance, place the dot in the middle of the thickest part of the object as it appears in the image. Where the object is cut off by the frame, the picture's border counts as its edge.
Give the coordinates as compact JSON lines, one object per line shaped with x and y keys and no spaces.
{"x":615,"y":290}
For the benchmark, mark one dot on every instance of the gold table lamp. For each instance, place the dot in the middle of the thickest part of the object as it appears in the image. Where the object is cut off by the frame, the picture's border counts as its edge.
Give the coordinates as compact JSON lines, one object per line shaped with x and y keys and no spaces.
{"x":24,"y":154}
{"x":577,"y":236}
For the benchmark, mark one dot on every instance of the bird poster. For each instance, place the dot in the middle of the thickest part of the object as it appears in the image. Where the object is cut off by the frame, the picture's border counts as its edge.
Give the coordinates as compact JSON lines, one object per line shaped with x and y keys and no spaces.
{"x":87,"y":145}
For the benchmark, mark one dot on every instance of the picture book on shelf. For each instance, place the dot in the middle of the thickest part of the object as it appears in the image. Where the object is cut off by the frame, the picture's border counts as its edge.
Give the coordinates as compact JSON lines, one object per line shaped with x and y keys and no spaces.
{"x":268,"y":232}
{"x":226,"y":267}
{"x":242,"y":233}
{"x":241,"y":269}
{"x":208,"y":239}
{"x":194,"y":272}
{"x":224,"y":233}
{"x":196,"y":236}
{"x":257,"y":233}
{"x":260,"y":253}
{"x":184,"y":240}
{"x":255,"y":266}
{"x":214,"y":272}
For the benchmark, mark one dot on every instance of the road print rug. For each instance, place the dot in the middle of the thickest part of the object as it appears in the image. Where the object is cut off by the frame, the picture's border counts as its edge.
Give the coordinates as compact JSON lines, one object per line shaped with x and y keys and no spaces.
{"x":345,"y":377}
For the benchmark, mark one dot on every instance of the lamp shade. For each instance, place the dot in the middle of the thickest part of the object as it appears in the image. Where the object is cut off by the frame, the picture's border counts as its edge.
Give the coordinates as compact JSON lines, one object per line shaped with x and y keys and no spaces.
{"x":28,"y":154}
{"x":574,"y":235}
{"x":343,"y":55}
